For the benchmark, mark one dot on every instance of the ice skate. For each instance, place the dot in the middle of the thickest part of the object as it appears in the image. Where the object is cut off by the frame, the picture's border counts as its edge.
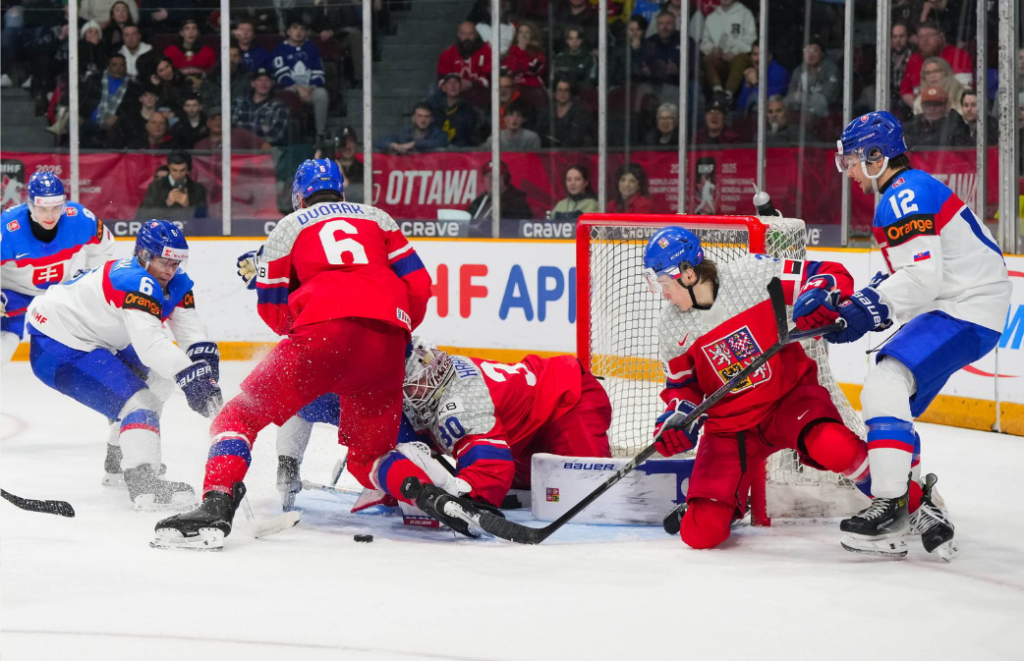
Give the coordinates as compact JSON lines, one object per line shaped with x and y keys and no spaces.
{"x":879,"y":529}
{"x":149,"y":493}
{"x":288,"y":481}
{"x":202,"y":529}
{"x":112,"y":474}
{"x":931,"y":522}
{"x":444,"y":507}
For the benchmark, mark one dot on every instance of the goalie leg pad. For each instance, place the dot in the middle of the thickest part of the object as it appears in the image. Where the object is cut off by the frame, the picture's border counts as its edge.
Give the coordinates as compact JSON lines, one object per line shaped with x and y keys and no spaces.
{"x":706,"y":523}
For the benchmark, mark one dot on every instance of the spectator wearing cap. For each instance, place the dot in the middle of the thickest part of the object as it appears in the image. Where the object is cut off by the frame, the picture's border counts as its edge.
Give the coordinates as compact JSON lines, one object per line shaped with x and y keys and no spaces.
{"x":938,"y":125}
{"x":133,"y":50}
{"x":191,"y":126}
{"x":241,"y":139}
{"x":816,"y":86}
{"x":420,"y":136}
{"x":715,"y":131}
{"x":514,"y":137}
{"x":729,"y":33}
{"x":343,"y":151}
{"x":175,"y":196}
{"x":189,"y":56}
{"x":298,"y":69}
{"x":514,"y":205}
{"x":260,"y":113}
{"x":253,"y":55}
{"x":453,"y":114}
{"x":141,"y":104}
{"x":470,"y":58}
{"x":92,"y":50}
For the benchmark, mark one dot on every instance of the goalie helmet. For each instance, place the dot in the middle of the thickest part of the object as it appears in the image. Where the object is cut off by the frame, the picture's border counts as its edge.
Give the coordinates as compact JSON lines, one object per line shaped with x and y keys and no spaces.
{"x":876,"y":136}
{"x":160,"y":238}
{"x":671,"y":251}
{"x":428,"y":370}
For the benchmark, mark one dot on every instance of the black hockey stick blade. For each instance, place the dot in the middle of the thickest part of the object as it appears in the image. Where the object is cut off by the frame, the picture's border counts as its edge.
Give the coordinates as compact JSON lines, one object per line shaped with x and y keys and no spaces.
{"x":515,"y":532}
{"x":57,"y":507}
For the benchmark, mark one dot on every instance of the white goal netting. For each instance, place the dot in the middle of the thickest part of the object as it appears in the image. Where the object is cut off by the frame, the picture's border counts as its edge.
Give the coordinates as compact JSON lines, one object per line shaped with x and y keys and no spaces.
{"x":618,"y":334}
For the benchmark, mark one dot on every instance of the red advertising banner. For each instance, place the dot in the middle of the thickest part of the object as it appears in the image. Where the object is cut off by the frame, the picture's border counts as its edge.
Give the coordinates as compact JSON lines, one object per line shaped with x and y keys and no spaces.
{"x":803,"y":183}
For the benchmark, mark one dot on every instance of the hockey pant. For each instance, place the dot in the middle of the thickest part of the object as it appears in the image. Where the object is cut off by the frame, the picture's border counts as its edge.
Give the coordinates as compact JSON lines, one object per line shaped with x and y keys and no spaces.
{"x":118,"y":386}
{"x":805,"y":420}
{"x":361,"y":360}
{"x":12,"y":324}
{"x":293,"y":435}
{"x":910,"y":371}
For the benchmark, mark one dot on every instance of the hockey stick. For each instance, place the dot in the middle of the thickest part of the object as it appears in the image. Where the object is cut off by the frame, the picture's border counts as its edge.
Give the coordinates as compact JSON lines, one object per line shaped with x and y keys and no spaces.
{"x":58,"y":507}
{"x":521,"y":534}
{"x":272,"y":525}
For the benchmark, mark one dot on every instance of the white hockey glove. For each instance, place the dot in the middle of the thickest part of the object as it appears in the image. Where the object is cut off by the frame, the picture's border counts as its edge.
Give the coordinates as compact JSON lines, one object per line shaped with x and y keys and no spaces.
{"x":419,"y":454}
{"x":248,"y":267}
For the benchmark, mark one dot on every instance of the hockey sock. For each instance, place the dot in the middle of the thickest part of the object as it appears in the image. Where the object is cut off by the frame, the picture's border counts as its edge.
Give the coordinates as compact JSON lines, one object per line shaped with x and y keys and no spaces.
{"x":227,"y":463}
{"x":391,"y":470}
{"x":891,"y":453}
{"x":835,"y":447}
{"x":706,"y":523}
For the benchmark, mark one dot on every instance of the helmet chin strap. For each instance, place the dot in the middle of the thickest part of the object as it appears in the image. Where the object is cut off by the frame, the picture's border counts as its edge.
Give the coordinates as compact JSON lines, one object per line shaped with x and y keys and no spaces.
{"x":874,"y":177}
{"x":693,"y":296}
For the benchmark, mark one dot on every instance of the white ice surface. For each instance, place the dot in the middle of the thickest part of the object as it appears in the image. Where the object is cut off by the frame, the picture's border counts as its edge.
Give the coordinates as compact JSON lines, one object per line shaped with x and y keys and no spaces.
{"x":91,"y":588}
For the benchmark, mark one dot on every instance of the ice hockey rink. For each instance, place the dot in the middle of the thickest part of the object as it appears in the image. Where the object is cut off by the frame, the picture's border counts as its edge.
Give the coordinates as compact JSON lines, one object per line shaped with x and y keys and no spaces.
{"x":91,"y":588}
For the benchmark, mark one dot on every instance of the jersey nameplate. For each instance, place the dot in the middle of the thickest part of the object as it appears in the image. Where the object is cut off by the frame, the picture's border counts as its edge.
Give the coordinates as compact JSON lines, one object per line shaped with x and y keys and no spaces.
{"x":907,"y":229}
{"x":138,"y":301}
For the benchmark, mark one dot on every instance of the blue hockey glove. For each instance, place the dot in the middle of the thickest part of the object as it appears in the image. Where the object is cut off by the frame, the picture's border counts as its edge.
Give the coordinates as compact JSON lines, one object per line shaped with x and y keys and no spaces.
{"x":209,"y":352}
{"x":248,"y":267}
{"x":878,"y":279}
{"x":817,"y":304}
{"x":675,"y":437}
{"x":862,"y":312}
{"x":200,"y":388}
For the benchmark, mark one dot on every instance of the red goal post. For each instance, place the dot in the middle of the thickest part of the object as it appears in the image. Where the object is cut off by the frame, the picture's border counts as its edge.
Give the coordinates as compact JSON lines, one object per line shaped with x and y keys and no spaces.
{"x":617,"y":340}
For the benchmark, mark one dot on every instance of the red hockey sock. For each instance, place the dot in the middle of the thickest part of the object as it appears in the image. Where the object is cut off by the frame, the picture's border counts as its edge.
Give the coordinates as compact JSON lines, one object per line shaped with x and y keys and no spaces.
{"x":833,"y":446}
{"x":915,"y":497}
{"x":706,"y":523}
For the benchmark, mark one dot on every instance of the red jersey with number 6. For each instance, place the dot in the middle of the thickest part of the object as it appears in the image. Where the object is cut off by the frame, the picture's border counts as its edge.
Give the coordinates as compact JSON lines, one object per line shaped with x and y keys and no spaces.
{"x":340,"y":259}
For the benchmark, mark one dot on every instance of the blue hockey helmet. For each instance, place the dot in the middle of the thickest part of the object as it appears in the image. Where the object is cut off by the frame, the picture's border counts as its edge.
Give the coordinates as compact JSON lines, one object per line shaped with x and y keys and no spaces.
{"x":45,"y":189}
{"x":670,"y":252}
{"x":317,"y":175}
{"x":876,"y":136}
{"x":160,"y":238}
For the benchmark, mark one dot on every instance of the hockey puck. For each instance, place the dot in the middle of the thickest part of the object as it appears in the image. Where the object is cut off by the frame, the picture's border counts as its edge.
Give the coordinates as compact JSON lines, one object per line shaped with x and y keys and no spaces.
{"x":363,"y":538}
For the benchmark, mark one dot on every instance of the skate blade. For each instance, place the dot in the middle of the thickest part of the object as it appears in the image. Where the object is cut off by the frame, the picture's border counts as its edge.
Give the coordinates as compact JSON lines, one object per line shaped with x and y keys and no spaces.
{"x":948,"y":551}
{"x":180,"y":502}
{"x":206,"y":539}
{"x":115,"y":480}
{"x":888,"y":547}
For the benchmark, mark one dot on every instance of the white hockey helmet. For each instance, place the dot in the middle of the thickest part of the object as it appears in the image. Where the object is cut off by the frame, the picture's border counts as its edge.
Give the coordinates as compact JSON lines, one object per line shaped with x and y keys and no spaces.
{"x":427,"y":371}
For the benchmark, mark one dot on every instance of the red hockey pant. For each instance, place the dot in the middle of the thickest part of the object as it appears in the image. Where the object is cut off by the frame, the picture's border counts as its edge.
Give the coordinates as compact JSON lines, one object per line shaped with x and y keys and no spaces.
{"x":362,"y":360}
{"x":582,"y":432}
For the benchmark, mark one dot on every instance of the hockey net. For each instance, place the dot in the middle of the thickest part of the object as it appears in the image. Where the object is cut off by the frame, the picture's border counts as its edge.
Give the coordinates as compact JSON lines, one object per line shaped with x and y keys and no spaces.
{"x":617,"y":339}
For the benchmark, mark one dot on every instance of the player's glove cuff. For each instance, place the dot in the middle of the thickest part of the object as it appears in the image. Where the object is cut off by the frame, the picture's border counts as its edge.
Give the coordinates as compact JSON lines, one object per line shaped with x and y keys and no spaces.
{"x":863,"y":312}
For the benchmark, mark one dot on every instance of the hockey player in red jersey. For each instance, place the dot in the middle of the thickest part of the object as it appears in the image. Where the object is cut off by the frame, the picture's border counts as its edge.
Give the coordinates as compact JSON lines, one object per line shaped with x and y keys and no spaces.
{"x":346,"y":288}
{"x":707,"y":334}
{"x":493,"y":417}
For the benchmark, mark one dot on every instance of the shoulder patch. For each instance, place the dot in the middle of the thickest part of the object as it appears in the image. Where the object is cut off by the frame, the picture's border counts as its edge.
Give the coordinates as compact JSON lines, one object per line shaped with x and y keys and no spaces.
{"x":904,"y":230}
{"x":188,"y":300}
{"x":71,"y":211}
{"x":13,"y":226}
{"x":138,"y":301}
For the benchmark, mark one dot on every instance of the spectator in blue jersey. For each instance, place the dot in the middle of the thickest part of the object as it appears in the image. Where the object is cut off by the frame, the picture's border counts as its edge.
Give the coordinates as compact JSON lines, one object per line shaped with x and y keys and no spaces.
{"x":298,"y":69}
{"x":420,"y":136}
{"x":254,"y":56}
{"x":101,"y":99}
{"x":778,"y":80}
{"x":260,"y":113}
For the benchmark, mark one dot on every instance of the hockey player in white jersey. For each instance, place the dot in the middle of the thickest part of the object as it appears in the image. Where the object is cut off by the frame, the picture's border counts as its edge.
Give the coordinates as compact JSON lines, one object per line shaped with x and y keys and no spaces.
{"x":949,"y":288}
{"x":99,"y":339}
{"x":44,"y":242}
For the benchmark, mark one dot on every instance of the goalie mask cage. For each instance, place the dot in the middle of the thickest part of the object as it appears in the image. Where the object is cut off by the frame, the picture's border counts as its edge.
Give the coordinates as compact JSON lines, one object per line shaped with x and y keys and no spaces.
{"x":617,"y":340}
